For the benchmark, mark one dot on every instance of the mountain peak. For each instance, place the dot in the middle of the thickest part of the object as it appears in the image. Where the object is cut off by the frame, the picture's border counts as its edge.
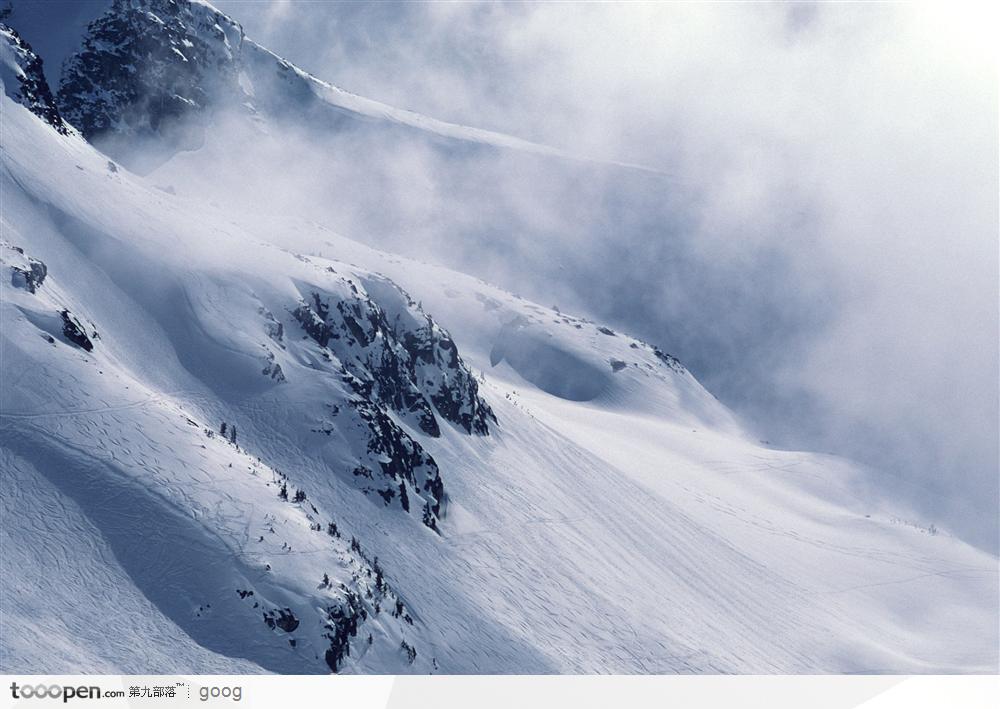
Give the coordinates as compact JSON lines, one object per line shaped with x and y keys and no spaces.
{"x":146,"y":67}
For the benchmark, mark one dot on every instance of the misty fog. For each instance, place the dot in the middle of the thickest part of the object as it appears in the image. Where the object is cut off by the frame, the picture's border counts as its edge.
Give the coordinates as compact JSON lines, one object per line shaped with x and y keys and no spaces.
{"x":813,"y":235}
{"x":820,"y":248}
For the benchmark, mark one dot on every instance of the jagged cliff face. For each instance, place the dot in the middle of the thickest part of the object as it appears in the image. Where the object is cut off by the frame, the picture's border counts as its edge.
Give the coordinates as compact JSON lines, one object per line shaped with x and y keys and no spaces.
{"x":24,"y":80}
{"x":148,"y":67}
{"x":393,"y":358}
{"x":396,"y":353}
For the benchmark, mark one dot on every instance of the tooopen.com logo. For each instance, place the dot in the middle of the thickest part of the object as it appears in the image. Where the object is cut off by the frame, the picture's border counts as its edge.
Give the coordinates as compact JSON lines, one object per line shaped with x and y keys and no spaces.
{"x":57,"y":691}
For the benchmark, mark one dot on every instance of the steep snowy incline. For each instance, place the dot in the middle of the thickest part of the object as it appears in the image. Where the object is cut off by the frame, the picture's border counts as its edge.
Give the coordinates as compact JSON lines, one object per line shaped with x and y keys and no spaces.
{"x":574,"y":500}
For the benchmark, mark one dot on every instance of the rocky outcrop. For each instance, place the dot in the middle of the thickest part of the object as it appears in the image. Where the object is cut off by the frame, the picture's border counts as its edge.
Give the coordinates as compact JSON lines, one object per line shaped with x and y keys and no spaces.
{"x":24,"y":80}
{"x":325,"y":620}
{"x":75,"y":332}
{"x":395,"y":457}
{"x":669,"y":360}
{"x":282,"y":619}
{"x":26,"y":273}
{"x":341,"y":623}
{"x":147,"y":66}
{"x":398,"y":355}
{"x":394,"y":358}
{"x":437,"y":367}
{"x":30,"y":278}
{"x":356,"y":332}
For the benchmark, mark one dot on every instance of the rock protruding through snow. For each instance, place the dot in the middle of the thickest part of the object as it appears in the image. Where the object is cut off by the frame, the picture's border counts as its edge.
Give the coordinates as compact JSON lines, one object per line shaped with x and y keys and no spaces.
{"x":397,"y":353}
{"x":149,"y":69}
{"x":24,"y":79}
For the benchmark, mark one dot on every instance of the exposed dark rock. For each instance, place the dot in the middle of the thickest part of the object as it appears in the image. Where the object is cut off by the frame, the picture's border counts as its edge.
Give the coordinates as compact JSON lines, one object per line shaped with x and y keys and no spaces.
{"x":31,"y":277}
{"x":282,"y":619}
{"x":394,"y":357}
{"x":272,"y":369}
{"x":357,"y":332}
{"x":669,"y":360}
{"x":429,"y":519}
{"x":341,"y":626}
{"x":399,"y":355}
{"x":438,"y":369}
{"x":411,"y":652}
{"x":31,"y":89}
{"x":74,"y":331}
{"x":398,"y":456}
{"x":148,"y":66}
{"x":452,"y":387}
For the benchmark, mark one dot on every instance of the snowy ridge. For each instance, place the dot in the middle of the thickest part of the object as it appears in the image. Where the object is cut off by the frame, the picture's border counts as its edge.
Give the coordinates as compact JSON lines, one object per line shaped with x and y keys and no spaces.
{"x":153,"y":68}
{"x":580,"y":502}
{"x":263,"y":60}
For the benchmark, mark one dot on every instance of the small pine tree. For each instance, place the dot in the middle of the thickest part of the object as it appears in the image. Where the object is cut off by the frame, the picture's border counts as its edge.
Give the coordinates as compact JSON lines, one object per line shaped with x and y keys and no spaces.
{"x":429,"y":516}
{"x":326,"y":580}
{"x":222,"y":430}
{"x":404,"y":499}
{"x":232,"y":435}
{"x":300,"y":496}
{"x":332,"y":530}
{"x":411,"y":652}
{"x":283,"y":492}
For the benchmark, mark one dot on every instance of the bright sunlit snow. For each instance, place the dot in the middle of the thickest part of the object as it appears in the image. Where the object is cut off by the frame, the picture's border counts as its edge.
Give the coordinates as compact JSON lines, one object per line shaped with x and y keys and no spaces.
{"x":242,"y":442}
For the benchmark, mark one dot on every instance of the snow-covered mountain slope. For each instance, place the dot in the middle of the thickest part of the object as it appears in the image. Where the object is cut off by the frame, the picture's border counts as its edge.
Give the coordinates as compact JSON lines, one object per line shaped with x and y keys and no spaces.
{"x":153,"y":70}
{"x":420,"y":472}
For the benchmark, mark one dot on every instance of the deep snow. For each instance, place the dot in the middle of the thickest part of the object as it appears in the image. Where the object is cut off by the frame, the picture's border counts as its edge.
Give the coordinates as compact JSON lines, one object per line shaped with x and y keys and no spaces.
{"x":616,"y":518}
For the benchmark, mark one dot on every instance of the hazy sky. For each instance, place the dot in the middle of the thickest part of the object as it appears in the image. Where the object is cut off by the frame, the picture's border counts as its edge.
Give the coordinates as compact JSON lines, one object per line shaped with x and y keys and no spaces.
{"x":831,"y":197}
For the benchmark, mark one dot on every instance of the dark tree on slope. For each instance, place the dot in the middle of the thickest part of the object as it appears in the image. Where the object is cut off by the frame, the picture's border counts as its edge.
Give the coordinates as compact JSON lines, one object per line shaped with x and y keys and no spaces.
{"x":429,"y":519}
